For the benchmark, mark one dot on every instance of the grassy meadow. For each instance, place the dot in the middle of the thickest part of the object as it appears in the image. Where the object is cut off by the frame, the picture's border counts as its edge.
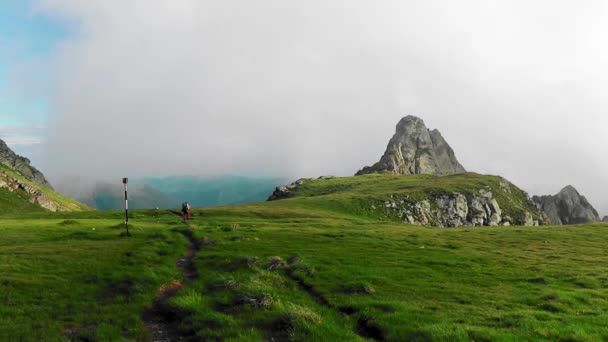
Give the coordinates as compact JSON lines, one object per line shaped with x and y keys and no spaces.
{"x":310,"y":268}
{"x":63,"y":279}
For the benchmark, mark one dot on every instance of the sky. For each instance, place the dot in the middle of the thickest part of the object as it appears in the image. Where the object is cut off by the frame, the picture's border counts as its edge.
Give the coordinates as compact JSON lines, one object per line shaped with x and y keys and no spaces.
{"x":27,"y":41}
{"x":106,"y":88}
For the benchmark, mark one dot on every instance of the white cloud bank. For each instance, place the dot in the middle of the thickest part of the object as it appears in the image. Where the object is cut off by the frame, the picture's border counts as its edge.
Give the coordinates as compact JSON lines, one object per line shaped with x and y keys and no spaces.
{"x":303,"y":88}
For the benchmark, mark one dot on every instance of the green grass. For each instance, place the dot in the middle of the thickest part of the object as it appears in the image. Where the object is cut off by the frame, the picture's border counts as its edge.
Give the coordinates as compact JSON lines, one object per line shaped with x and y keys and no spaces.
{"x":410,"y":283}
{"x":357,"y":195}
{"x":312,"y":268}
{"x":58,"y":275}
{"x":14,"y":203}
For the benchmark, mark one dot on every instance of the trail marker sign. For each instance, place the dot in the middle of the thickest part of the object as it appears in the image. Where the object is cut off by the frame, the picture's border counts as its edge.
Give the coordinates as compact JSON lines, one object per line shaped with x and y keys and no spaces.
{"x":125,"y":181}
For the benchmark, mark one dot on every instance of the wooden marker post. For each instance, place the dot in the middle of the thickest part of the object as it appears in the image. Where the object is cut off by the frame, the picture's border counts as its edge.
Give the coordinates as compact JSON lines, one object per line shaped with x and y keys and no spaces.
{"x":125,"y":181}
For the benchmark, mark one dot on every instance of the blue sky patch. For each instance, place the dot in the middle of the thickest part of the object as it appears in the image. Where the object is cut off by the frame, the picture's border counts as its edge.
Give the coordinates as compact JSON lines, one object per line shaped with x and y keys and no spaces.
{"x":27,"y":41}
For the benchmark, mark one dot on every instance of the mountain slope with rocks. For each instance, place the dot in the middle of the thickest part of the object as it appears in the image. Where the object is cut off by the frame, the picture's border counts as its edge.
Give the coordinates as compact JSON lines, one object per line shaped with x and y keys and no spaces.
{"x":414,"y":149}
{"x":25,"y":189}
{"x":567,"y":207}
{"x":21,"y":165}
{"x":451,"y":201}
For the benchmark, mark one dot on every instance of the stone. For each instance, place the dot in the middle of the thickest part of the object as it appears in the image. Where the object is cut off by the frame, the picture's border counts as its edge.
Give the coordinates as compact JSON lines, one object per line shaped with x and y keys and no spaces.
{"x":528,"y":220}
{"x":455,"y":210}
{"x":287,"y":191}
{"x":414,"y":149}
{"x":567,"y":207}
{"x":605,"y":219}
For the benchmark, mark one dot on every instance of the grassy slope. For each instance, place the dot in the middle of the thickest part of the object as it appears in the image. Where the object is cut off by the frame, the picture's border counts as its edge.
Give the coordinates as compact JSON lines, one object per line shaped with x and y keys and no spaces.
{"x":411,"y":283}
{"x":394,"y":281}
{"x":59,"y":275}
{"x":14,"y":203}
{"x":356,"y":195}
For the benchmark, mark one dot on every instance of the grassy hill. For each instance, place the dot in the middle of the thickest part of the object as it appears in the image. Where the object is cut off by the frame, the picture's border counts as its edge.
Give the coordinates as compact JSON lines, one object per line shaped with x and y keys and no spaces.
{"x":370,"y":195}
{"x":21,"y":200}
{"x":320,"y":266}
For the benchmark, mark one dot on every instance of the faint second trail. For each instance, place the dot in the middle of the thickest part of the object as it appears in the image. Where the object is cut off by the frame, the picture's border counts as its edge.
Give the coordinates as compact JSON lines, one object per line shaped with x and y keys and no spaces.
{"x":159,"y":319}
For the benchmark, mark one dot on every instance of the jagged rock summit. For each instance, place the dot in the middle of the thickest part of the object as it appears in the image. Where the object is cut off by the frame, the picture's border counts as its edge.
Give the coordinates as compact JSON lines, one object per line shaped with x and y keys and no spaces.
{"x":22,"y":165}
{"x":414,"y":149}
{"x":567,"y":207}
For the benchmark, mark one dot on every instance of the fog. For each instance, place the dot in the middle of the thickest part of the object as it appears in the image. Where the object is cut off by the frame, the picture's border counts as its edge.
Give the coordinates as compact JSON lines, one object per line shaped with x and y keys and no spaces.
{"x":305,"y":88}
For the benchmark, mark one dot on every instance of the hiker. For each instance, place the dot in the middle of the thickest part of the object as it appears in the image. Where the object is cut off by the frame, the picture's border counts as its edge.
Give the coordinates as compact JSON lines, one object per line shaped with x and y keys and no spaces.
{"x":185,"y":211}
{"x":189,"y":209}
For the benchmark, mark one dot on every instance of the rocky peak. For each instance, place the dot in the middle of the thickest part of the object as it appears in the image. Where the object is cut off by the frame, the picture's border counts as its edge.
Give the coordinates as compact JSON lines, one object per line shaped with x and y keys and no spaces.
{"x":414,"y":149}
{"x":22,"y":165}
{"x":567,"y":207}
{"x":569,"y":191}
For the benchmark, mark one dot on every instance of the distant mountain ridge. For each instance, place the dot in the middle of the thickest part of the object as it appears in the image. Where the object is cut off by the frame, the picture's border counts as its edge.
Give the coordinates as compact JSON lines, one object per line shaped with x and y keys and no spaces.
{"x":414,"y":149}
{"x":170,"y":192}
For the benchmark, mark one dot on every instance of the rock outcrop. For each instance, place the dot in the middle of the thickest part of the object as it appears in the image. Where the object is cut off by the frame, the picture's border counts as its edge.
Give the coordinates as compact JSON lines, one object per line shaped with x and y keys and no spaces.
{"x":455,"y":210}
{"x":434,"y":207}
{"x":567,"y":207}
{"x":288,"y":191}
{"x":605,"y":219}
{"x":21,"y":165}
{"x":33,"y":194}
{"x":414,"y":149}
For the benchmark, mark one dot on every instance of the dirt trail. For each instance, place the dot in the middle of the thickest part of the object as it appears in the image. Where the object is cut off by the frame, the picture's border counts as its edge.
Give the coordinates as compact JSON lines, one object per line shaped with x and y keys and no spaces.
{"x":159,"y":319}
{"x":365,"y":326}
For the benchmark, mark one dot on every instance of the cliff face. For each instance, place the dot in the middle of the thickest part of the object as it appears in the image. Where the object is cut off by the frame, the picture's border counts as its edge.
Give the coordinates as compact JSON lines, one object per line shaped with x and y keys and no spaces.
{"x":567,"y":207}
{"x":21,"y":165}
{"x":414,"y":149}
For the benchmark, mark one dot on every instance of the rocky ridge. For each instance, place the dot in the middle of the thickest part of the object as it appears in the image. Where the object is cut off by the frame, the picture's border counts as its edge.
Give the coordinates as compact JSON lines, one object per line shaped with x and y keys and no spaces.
{"x":33,"y":194}
{"x":455,"y":210}
{"x":414,"y":149}
{"x":567,"y":207}
{"x":21,"y":165}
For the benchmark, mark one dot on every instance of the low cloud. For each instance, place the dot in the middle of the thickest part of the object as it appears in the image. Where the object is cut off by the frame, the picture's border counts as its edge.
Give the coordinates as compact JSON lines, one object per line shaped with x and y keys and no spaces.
{"x":303,"y":88}
{"x":21,"y":135}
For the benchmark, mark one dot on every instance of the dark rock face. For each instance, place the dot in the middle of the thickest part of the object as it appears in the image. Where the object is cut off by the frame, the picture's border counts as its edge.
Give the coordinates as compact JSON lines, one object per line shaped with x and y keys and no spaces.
{"x":605,"y":219}
{"x":567,"y":207}
{"x":414,"y":149}
{"x":22,"y":165}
